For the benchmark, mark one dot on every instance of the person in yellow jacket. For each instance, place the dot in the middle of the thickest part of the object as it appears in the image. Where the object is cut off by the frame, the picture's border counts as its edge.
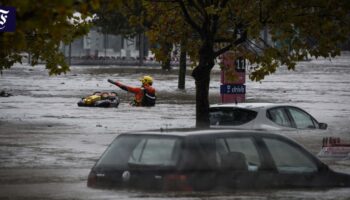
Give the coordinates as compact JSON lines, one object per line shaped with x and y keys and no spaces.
{"x":144,"y":95}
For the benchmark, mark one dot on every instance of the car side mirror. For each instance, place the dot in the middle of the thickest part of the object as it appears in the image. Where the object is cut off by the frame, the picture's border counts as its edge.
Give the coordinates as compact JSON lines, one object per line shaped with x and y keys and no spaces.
{"x":322,"y":126}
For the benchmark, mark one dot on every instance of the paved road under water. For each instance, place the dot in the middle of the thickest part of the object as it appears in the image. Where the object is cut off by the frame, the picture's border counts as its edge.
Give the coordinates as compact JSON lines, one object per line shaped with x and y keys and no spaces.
{"x":48,"y":144}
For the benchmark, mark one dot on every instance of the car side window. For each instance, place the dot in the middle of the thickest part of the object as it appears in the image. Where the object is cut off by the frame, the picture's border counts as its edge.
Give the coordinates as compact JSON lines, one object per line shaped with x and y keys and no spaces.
{"x":231,"y":116}
{"x":289,"y":159}
{"x":236,"y":146}
{"x":156,"y":151}
{"x":117,"y":154}
{"x":279,"y":116}
{"x":301,"y":119}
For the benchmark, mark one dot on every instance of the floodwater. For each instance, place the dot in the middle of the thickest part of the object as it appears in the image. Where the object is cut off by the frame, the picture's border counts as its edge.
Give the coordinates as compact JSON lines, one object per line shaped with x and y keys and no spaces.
{"x":48,"y":144}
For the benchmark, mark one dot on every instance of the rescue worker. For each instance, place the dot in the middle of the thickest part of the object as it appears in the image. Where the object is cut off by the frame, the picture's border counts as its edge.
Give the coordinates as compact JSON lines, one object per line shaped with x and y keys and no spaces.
{"x":144,"y":95}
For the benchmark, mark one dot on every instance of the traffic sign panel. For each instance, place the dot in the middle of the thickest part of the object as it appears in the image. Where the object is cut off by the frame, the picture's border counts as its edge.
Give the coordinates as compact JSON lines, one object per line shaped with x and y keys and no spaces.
{"x":232,"y":89}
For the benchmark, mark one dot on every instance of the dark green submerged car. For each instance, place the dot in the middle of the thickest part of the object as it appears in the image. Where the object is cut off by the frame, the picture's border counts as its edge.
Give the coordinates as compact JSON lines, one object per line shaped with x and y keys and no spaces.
{"x":197,"y":160}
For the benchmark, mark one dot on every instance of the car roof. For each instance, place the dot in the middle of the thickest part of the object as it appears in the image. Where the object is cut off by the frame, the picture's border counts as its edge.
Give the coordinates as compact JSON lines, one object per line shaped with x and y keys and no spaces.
{"x":184,"y":132}
{"x":248,"y":105}
{"x":193,"y":132}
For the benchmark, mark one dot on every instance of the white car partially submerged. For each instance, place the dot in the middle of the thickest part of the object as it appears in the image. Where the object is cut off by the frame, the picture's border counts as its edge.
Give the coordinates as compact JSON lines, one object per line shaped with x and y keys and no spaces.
{"x":262,"y":116}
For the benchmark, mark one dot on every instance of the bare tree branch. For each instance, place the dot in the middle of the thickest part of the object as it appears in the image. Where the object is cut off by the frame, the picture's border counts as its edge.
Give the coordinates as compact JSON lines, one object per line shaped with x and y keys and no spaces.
{"x":239,"y":41}
{"x":214,"y":27}
{"x":198,"y":8}
{"x":222,"y":40}
{"x":254,"y":44}
{"x":223,"y":50}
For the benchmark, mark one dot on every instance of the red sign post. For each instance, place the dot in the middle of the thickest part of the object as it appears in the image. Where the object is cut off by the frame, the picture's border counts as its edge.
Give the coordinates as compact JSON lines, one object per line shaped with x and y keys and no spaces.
{"x":232,"y":87}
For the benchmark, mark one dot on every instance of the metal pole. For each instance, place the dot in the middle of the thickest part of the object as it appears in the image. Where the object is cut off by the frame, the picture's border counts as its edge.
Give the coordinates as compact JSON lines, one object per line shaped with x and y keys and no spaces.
{"x":141,"y":48}
{"x":105,"y":43}
{"x":70,"y":54}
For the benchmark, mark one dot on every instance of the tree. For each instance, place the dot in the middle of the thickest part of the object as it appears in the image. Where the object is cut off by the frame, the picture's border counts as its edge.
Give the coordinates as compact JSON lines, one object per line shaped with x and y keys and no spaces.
{"x":41,"y":26}
{"x":132,"y":17}
{"x":111,"y":19}
{"x":182,"y":65}
{"x":297,"y":28}
{"x":165,"y":37}
{"x":116,"y":17}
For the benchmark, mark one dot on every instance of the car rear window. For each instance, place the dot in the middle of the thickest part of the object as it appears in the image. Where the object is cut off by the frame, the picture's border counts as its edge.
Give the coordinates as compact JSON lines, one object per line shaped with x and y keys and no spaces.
{"x":141,"y":150}
{"x":231,"y":116}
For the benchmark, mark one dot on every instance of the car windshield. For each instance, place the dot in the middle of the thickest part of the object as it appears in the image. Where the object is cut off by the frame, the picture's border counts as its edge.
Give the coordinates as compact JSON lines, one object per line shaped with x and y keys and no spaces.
{"x":230,"y":116}
{"x":141,"y":150}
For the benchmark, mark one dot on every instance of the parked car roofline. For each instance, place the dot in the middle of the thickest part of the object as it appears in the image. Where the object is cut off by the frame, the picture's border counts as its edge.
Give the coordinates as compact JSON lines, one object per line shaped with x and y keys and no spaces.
{"x":193,"y":131}
{"x":248,"y":105}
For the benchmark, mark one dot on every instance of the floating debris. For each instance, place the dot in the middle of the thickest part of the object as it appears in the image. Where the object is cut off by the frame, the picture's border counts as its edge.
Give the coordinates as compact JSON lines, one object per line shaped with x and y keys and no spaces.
{"x":4,"y":94}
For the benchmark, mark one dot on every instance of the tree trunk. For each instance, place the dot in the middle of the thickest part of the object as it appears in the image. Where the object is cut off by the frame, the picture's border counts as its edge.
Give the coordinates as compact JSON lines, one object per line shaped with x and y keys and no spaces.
{"x":166,"y":63}
{"x":201,"y":74}
{"x":202,"y":98}
{"x":70,"y":54}
{"x":141,"y":49}
{"x":182,"y":67}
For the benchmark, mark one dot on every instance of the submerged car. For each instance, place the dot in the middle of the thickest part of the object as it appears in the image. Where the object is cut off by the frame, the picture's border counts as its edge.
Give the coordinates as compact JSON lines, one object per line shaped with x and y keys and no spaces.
{"x":197,"y":160}
{"x":262,"y":116}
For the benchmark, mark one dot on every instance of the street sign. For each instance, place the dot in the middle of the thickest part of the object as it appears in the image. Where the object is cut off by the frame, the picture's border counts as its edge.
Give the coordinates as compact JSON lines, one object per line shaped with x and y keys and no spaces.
{"x":232,"y":89}
{"x":233,"y":68}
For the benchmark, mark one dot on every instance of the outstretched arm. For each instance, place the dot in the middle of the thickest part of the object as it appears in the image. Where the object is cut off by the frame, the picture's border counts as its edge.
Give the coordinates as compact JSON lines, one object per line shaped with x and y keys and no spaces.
{"x":125,"y":87}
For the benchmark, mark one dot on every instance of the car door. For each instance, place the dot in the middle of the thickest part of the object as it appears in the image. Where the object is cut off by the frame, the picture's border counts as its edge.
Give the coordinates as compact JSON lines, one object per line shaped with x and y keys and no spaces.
{"x":294,"y":166}
{"x":280,"y":118}
{"x":151,"y":160}
{"x":267,"y":162}
{"x":303,"y":121}
{"x":241,"y":163}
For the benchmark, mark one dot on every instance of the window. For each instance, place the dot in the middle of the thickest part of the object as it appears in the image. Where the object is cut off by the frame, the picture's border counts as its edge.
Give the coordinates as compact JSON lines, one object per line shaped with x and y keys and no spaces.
{"x":117,"y":154}
{"x":279,"y":116}
{"x":143,"y":150}
{"x":156,"y":151}
{"x":239,"y":145}
{"x":230,"y":116}
{"x":302,"y":119}
{"x":289,"y":159}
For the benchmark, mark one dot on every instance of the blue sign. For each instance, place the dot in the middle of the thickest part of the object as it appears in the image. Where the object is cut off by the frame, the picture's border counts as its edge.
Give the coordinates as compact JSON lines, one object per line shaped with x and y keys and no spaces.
{"x":7,"y":19}
{"x":232,"y":89}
